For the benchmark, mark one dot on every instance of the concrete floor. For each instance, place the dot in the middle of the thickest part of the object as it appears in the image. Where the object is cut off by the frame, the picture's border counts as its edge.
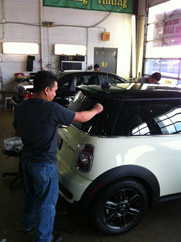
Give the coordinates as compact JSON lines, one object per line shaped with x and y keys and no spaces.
{"x":160,"y":224}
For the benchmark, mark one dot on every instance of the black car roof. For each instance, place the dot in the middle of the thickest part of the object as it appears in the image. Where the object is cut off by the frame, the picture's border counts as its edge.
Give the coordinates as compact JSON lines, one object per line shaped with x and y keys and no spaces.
{"x":88,"y":72}
{"x":82,"y":72}
{"x":133,"y":91}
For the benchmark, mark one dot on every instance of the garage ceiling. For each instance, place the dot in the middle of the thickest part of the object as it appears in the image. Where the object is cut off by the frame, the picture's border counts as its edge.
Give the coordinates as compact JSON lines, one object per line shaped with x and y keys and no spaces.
{"x":156,"y":2}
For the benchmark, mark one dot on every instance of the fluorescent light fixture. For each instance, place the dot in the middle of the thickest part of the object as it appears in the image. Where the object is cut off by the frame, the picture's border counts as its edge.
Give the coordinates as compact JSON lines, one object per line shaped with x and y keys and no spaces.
{"x":63,"y":49}
{"x":20,"y":48}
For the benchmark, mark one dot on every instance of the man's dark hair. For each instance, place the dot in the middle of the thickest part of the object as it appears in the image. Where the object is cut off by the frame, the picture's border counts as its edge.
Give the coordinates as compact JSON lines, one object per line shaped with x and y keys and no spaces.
{"x":156,"y":76}
{"x":44,"y":79}
{"x":96,"y":66}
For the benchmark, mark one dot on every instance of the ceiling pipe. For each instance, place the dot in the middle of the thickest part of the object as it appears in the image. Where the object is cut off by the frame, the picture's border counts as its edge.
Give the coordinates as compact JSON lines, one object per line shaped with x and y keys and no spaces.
{"x":2,"y":18}
{"x":133,"y":21}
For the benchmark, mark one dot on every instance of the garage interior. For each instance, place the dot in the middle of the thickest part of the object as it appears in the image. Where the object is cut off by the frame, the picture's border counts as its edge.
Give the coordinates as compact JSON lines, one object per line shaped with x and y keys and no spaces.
{"x":33,"y":21}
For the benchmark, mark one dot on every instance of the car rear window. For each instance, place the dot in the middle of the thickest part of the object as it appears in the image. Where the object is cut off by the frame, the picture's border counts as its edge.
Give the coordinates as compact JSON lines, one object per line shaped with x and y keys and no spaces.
{"x":103,"y":123}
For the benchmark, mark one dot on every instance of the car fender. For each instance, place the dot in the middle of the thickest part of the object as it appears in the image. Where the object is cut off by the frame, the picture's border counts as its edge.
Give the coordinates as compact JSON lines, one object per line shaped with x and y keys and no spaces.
{"x":141,"y":174}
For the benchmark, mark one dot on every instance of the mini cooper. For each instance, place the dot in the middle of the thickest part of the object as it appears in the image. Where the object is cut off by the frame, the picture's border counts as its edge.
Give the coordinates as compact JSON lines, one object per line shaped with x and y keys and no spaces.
{"x":126,"y":158}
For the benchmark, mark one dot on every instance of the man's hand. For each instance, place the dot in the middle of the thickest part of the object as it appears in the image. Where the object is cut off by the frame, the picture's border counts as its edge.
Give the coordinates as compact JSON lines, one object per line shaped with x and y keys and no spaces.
{"x":98,"y":107}
{"x":85,"y":116}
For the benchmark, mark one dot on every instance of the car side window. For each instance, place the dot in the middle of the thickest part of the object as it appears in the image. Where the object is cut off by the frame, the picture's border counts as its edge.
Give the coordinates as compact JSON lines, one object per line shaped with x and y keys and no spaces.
{"x":129,"y":121}
{"x":101,"y":124}
{"x":170,"y":122}
{"x":67,"y":86}
{"x":73,"y":84}
{"x":87,"y":80}
{"x":113,"y":80}
{"x":80,"y":80}
{"x":93,"y":80}
{"x":143,"y":118}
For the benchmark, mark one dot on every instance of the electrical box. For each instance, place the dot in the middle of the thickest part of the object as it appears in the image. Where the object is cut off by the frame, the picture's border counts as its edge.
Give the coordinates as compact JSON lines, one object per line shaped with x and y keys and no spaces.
{"x":106,"y":36}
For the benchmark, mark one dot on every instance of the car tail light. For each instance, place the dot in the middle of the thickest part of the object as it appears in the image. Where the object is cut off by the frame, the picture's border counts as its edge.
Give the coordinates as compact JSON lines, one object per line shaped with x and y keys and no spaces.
{"x":85,"y":158}
{"x":28,"y":95}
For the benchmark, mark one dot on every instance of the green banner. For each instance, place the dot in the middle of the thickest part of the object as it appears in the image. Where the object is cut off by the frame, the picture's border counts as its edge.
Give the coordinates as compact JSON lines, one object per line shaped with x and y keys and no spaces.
{"x":120,"y":6}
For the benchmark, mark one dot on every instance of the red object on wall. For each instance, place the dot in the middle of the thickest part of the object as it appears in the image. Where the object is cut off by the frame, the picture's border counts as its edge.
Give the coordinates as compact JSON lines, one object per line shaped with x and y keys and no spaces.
{"x":19,"y":75}
{"x":106,"y":36}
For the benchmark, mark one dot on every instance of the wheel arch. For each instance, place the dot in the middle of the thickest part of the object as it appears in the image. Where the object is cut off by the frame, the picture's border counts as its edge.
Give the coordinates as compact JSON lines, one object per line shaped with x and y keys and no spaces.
{"x":126,"y":172}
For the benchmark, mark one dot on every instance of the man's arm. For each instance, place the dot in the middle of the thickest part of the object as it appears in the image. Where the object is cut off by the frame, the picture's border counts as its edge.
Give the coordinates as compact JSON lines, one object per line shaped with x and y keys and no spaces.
{"x":85,"y":116}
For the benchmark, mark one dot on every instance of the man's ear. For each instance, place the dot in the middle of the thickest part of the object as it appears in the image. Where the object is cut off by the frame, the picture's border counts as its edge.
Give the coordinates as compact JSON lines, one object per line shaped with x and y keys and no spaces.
{"x":46,"y":90}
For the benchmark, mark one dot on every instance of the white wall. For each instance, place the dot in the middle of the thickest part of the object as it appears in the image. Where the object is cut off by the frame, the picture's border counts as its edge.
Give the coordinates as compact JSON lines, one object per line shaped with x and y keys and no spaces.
{"x":26,"y":12}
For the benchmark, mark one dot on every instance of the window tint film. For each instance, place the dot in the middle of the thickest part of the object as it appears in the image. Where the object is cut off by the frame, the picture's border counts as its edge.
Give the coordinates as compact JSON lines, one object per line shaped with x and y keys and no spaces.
{"x":149,"y":118}
{"x":102,"y":124}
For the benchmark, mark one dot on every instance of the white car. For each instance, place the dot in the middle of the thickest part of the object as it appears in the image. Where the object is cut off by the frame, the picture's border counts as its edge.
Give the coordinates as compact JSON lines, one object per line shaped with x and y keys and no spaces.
{"x":124,"y":159}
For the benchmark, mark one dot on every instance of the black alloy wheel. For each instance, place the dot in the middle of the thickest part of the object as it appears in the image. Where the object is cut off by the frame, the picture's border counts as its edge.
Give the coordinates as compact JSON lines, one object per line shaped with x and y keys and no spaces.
{"x":120,"y":207}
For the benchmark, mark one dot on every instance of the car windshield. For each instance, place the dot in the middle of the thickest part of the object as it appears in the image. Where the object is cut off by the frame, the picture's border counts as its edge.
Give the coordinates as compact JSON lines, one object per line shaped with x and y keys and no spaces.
{"x":102,"y":124}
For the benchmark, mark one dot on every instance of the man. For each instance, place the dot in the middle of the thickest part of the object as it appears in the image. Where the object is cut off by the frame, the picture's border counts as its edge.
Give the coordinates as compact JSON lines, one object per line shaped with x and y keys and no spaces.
{"x":37,"y":120}
{"x":96,"y":67}
{"x":154,"y":78}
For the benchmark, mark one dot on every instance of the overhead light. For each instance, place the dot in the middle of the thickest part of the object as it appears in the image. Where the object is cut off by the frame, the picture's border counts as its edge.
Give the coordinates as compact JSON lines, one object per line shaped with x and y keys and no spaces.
{"x":63,"y":49}
{"x":20,"y":48}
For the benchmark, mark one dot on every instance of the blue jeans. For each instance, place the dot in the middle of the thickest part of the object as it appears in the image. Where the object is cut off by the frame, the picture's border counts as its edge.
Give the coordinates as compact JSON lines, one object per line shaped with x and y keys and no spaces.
{"x":39,"y":199}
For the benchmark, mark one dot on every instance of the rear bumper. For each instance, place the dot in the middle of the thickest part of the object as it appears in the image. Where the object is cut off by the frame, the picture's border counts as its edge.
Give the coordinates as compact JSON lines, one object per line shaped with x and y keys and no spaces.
{"x":71,"y":185}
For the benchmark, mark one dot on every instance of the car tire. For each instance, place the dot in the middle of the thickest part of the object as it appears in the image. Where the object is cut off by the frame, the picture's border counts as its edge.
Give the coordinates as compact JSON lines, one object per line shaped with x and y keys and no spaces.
{"x":120,"y":207}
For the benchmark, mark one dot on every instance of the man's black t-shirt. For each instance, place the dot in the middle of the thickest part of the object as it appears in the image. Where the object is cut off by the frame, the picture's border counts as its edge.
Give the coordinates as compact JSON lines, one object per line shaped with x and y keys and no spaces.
{"x":37,"y":121}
